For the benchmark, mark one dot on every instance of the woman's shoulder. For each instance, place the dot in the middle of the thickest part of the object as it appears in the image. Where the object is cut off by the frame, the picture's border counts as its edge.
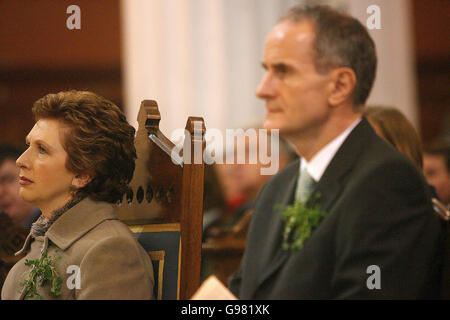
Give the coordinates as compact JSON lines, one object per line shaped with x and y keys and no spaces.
{"x":112,"y":228}
{"x":108,"y":231}
{"x":91,"y":224}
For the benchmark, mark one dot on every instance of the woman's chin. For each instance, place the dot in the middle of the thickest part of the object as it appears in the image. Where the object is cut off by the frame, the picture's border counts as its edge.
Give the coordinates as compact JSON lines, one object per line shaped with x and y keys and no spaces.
{"x":25,"y":195}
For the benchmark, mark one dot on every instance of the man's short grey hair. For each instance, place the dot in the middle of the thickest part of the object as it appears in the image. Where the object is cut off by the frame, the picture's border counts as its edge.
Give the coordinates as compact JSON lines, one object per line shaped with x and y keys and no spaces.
{"x":341,"y":40}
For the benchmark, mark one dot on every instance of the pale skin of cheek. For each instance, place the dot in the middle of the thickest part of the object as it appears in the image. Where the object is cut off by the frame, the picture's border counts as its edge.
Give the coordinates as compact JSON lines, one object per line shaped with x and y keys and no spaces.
{"x":51,"y":187}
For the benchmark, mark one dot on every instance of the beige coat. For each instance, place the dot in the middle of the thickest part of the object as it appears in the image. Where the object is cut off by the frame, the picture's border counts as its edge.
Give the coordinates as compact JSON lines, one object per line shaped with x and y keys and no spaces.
{"x":89,"y":238}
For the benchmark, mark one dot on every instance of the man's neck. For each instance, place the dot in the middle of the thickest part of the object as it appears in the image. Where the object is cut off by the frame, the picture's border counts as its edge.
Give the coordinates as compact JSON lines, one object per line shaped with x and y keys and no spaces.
{"x":309,"y":143}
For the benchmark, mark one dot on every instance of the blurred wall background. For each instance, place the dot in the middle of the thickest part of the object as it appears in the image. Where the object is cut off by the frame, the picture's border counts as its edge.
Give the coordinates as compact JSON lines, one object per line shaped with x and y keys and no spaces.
{"x":40,"y":55}
{"x":202,"y":57}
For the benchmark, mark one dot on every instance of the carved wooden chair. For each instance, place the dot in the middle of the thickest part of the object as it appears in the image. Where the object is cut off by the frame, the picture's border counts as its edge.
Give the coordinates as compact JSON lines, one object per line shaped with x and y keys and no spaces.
{"x":164,"y":204}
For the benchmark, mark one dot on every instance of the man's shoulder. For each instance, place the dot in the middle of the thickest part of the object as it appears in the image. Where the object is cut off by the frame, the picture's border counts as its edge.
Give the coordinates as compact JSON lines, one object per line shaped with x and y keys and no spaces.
{"x":383,"y":159}
{"x":374,"y":154}
{"x":383,"y":171}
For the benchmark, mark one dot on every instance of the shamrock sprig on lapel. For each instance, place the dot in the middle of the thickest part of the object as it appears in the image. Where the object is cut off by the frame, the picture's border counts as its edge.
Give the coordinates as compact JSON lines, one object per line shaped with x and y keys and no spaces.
{"x":301,"y":219}
{"x":42,"y":271}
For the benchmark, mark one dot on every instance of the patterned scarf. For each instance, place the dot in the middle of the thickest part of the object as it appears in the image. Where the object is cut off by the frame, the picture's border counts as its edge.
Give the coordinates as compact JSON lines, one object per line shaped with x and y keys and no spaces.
{"x":42,"y":224}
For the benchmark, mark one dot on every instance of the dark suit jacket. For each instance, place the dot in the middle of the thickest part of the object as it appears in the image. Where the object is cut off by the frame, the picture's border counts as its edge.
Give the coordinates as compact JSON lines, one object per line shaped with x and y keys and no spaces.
{"x":378,"y":213}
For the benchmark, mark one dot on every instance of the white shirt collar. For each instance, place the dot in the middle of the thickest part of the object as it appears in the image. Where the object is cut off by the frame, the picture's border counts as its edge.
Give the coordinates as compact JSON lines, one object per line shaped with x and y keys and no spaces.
{"x":316,"y":167}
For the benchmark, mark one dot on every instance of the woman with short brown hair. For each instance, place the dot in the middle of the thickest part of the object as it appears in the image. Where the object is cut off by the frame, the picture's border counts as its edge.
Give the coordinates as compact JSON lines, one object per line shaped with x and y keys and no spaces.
{"x":80,"y":159}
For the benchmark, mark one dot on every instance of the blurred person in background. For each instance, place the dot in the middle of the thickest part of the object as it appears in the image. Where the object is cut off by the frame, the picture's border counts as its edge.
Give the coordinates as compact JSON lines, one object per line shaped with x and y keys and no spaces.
{"x":16,"y":215}
{"x":436,"y":167}
{"x":21,"y":212}
{"x":214,"y":204}
{"x":446,"y":131}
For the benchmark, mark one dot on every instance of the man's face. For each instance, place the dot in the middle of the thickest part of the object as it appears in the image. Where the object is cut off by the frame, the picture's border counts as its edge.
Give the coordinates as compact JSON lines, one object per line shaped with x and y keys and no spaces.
{"x":10,"y":201}
{"x":296,"y":94}
{"x":435,"y":170}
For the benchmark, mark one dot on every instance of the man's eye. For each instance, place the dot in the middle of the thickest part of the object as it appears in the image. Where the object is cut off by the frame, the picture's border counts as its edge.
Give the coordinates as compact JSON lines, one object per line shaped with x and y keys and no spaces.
{"x":42,"y":150}
{"x":281,"y":70}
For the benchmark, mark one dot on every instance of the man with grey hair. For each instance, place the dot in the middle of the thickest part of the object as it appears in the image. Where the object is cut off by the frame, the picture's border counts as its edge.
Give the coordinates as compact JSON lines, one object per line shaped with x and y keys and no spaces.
{"x":352,"y":218}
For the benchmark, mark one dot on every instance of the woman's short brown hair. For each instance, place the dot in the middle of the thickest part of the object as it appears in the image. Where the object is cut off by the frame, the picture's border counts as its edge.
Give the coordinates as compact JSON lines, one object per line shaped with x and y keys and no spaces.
{"x":100,"y":141}
{"x":395,"y":128}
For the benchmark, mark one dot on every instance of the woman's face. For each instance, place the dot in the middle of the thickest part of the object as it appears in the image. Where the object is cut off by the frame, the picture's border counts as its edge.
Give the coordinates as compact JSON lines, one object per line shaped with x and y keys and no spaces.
{"x":44,"y":180}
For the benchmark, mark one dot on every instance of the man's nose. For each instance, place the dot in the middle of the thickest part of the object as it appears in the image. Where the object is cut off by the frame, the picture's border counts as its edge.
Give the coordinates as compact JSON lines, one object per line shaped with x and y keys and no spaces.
{"x":266,"y":88}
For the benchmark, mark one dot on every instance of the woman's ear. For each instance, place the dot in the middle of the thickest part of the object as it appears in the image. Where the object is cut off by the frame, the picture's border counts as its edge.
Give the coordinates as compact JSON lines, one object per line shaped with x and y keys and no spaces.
{"x":81,"y":180}
{"x":344,"y":80}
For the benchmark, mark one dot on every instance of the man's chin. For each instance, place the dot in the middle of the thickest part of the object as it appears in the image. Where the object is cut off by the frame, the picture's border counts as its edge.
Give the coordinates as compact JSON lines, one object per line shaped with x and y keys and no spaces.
{"x":270,"y":124}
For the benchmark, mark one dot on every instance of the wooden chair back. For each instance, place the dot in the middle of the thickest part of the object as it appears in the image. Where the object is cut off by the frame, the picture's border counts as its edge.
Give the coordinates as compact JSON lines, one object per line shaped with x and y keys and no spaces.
{"x":164,"y":203}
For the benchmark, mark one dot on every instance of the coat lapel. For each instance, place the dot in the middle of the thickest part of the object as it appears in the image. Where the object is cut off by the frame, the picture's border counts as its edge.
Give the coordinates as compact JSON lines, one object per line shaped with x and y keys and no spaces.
{"x":333,"y":180}
{"x":272,"y":255}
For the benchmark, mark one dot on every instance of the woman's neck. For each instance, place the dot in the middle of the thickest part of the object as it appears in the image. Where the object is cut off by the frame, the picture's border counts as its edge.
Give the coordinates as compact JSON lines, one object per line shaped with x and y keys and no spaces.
{"x":40,"y":227}
{"x":49,"y":208}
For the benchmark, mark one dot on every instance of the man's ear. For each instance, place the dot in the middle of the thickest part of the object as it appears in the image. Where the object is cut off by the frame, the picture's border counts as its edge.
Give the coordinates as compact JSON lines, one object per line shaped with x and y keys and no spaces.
{"x":344,"y":82}
{"x":81,"y":180}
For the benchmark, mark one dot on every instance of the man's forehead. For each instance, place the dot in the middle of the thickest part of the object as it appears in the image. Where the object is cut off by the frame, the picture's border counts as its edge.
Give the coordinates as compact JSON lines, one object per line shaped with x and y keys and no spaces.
{"x":292,"y":32}
{"x":288,"y":38}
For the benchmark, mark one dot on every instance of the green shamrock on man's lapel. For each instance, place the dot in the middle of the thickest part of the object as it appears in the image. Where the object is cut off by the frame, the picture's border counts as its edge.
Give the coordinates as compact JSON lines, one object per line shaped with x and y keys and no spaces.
{"x":301,"y":219}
